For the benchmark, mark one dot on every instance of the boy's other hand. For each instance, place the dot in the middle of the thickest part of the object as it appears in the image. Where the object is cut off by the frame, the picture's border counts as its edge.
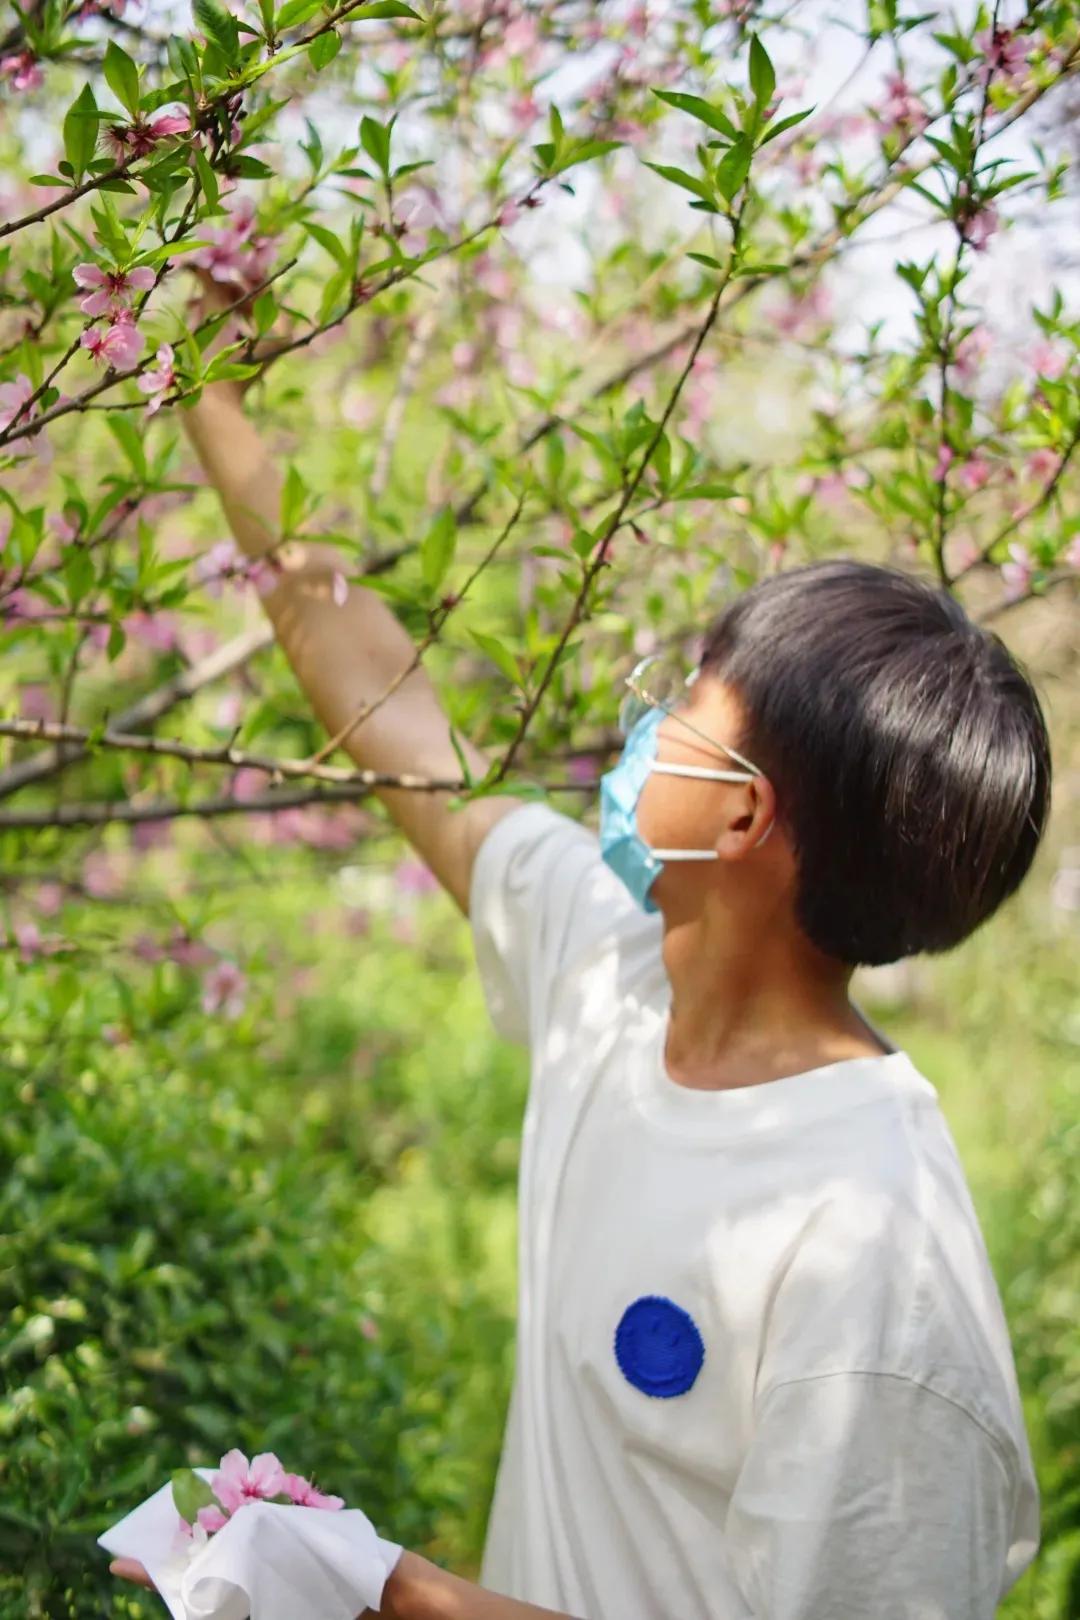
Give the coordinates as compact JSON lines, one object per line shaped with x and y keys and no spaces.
{"x":129,"y":1569}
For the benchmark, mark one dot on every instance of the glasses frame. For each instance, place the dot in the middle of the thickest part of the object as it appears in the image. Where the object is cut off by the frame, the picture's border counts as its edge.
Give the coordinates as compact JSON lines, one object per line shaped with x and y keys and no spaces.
{"x":635,"y":681}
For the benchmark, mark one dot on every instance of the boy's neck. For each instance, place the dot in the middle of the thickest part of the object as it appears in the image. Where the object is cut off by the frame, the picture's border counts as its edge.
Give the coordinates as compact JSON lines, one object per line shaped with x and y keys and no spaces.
{"x":747,"y":1010}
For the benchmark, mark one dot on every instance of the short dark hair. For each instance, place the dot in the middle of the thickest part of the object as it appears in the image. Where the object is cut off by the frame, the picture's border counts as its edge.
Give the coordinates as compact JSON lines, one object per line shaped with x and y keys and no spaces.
{"x":908,"y":751}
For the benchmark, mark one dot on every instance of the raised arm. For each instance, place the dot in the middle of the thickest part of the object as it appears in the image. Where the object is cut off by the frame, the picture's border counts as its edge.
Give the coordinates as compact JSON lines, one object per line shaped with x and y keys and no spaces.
{"x":346,"y":654}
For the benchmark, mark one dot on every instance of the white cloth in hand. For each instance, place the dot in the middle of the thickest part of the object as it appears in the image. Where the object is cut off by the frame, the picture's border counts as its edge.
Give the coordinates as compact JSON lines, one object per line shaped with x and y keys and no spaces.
{"x":270,"y":1562}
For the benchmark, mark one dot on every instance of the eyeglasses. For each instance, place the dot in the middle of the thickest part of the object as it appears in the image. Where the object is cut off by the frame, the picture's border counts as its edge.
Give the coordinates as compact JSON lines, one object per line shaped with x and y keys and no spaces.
{"x":657,"y":682}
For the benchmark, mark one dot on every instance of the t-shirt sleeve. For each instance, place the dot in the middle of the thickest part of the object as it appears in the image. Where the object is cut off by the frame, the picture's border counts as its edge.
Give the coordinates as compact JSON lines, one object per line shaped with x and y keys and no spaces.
{"x":868,"y":1494}
{"x":540,"y":896}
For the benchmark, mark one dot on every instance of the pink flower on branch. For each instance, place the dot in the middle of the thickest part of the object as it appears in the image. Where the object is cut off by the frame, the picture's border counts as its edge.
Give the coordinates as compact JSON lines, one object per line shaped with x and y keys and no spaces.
{"x":974,"y":472}
{"x":225,"y":991}
{"x":1043,"y":464}
{"x":157,"y":383}
{"x":978,"y":227}
{"x":971,"y":351}
{"x":13,"y":396}
{"x":942,"y":465}
{"x":1016,"y":574}
{"x":118,"y":344}
{"x":1048,"y":359}
{"x":1005,"y":55}
{"x":23,"y":71}
{"x":139,"y":139}
{"x":902,"y":112}
{"x":114,"y":288}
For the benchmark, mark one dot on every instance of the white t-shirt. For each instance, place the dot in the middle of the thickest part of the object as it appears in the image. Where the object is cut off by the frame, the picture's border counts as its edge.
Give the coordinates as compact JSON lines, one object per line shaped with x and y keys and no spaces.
{"x":762,"y":1368}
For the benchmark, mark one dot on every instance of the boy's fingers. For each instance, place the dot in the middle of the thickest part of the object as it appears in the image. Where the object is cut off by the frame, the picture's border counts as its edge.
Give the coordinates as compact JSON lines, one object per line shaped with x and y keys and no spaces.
{"x":129,"y":1569}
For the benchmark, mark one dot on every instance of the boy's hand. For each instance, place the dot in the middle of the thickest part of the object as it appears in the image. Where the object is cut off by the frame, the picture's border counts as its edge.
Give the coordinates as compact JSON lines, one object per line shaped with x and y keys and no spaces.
{"x":129,"y":1569}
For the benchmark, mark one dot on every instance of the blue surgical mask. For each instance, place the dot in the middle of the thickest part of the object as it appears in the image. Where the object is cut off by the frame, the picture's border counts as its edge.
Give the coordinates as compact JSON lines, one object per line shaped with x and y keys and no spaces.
{"x":621,"y":844}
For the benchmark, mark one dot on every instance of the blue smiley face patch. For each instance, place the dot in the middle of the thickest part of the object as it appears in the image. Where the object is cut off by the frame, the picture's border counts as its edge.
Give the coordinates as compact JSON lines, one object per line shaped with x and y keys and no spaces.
{"x":658,"y":1346}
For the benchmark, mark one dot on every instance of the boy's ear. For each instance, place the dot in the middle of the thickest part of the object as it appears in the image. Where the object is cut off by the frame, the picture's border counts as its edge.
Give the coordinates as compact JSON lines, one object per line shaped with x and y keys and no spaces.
{"x":749,"y":818}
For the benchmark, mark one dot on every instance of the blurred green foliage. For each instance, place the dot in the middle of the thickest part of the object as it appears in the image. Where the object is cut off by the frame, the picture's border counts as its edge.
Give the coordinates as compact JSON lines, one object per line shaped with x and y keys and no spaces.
{"x":295,"y":1230}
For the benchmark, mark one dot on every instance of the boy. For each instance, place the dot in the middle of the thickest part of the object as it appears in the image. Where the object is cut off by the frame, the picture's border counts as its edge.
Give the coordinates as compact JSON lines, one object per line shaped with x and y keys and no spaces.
{"x":762,"y":1368}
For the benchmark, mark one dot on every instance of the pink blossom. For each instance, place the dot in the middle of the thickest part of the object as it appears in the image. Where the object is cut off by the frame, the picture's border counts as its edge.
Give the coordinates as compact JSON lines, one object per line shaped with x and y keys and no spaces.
{"x":49,"y":898}
{"x":29,"y":940}
{"x":100,"y":877}
{"x":1048,"y":359}
{"x":118,"y":344}
{"x":1005,"y":55}
{"x":188,"y":952}
{"x":138,"y":139}
{"x":157,"y":383}
{"x":1043,"y":464}
{"x":942,"y":465}
{"x":975,"y":472}
{"x":211,"y":1518}
{"x":415,"y":877}
{"x":23,"y":71}
{"x":219,"y":563}
{"x":1072,"y":553}
{"x":902,"y":111}
{"x":225,"y":991}
{"x":239,"y":1481}
{"x":971,"y":351}
{"x":1016,"y":574}
{"x":803,"y":312}
{"x":965,"y":553}
{"x":979,"y":227}
{"x":13,"y":396}
{"x":524,"y":111}
{"x":236,"y":251}
{"x":158,"y":631}
{"x":114,"y":287}
{"x":304,"y":1494}
{"x":369,"y":1328}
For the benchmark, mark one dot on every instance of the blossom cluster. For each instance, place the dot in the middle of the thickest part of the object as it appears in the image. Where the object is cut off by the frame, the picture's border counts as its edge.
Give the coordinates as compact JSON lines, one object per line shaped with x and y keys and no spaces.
{"x":239,"y":1482}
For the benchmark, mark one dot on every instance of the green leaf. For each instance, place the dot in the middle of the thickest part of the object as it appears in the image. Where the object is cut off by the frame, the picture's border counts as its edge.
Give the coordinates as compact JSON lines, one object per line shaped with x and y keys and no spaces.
{"x":582,"y":152}
{"x":190,"y":1493}
{"x":78,"y":570}
{"x":702,"y":110}
{"x":81,"y":131}
{"x":437,"y":548}
{"x":707,"y":260}
{"x":219,"y":26}
{"x":679,"y":177}
{"x":250,"y":168}
{"x":387,"y":8}
{"x":326,"y":239}
{"x":294,"y":12}
{"x":455,"y":741}
{"x":733,"y":169}
{"x":705,"y":492}
{"x":130,"y":440}
{"x":323,"y":49}
{"x":122,"y":77}
{"x":207,"y":178}
{"x":375,"y":139}
{"x":762,"y":76}
{"x":293,"y":500}
{"x":773,"y":130}
{"x":500,"y":656}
